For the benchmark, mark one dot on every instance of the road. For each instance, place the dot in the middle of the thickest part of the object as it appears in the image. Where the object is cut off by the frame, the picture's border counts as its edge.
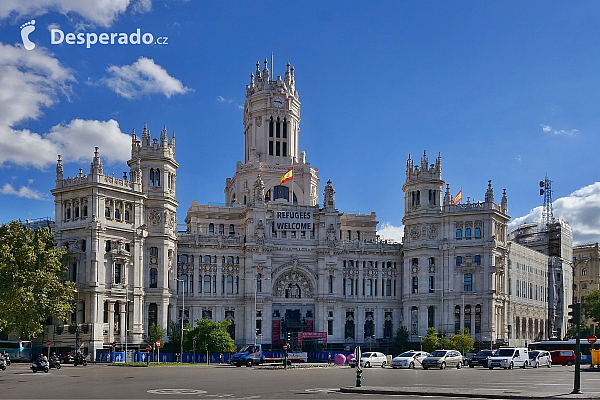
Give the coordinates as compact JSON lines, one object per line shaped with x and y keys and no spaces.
{"x":201,"y":382}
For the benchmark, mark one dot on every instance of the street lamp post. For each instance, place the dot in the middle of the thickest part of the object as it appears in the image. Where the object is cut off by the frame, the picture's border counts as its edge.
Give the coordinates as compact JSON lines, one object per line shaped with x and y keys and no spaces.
{"x":258,"y":280}
{"x":182,"y":317}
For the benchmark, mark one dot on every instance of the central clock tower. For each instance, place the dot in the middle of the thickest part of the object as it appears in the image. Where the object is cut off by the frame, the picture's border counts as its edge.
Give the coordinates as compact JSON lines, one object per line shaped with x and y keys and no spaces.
{"x":271,"y":117}
{"x":271,"y":127}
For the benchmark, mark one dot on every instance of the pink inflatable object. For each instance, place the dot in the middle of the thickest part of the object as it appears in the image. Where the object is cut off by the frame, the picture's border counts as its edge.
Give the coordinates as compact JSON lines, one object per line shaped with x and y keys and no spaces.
{"x":340,"y":359}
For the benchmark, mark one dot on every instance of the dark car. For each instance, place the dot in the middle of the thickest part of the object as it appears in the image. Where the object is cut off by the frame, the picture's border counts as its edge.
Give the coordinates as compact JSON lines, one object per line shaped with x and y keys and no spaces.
{"x":66,"y":358}
{"x":481,"y":358}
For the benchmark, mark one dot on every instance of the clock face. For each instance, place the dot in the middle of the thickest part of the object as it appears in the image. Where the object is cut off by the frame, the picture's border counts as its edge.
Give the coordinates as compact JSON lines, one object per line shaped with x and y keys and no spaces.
{"x":278,"y":102}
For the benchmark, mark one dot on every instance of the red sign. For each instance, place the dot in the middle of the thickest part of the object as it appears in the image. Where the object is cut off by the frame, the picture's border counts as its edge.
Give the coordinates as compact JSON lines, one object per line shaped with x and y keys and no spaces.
{"x":592,"y":339}
{"x":48,"y":343}
{"x":312,"y":335}
{"x":114,"y":344}
{"x":276,"y":330}
{"x":286,"y":346}
{"x":158,"y":343}
{"x":148,"y":347}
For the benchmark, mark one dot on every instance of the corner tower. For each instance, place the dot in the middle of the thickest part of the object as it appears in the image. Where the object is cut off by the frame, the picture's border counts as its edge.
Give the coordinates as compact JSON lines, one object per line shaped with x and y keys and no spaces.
{"x":271,"y":133}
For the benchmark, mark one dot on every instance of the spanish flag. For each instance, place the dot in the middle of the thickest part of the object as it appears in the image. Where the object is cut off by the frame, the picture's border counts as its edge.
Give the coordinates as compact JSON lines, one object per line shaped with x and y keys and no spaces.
{"x":287,"y":176}
{"x":458,"y":197}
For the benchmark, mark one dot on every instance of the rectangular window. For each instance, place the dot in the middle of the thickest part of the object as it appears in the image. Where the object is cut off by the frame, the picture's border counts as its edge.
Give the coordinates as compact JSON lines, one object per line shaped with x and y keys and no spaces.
{"x":285,"y":125}
{"x":284,"y":149}
{"x":330,"y":327}
{"x":468,"y":280}
{"x":117,"y":273}
{"x":330,"y":283}
{"x":415,"y":284}
{"x":270,"y":147}
{"x":431,"y":283}
{"x":277,"y":148}
{"x":388,"y":287}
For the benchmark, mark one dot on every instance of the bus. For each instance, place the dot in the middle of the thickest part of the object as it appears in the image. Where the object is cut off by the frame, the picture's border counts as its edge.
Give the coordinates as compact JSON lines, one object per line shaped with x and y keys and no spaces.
{"x":19,"y":350}
{"x":549,"y":345}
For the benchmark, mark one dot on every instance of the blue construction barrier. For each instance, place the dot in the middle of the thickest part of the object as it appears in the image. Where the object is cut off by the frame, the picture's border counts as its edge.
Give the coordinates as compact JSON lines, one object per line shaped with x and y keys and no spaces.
{"x":105,"y":356}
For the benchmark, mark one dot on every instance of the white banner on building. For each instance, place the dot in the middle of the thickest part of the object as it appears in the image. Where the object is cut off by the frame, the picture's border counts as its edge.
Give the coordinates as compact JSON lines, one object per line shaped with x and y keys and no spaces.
{"x":293,"y":220}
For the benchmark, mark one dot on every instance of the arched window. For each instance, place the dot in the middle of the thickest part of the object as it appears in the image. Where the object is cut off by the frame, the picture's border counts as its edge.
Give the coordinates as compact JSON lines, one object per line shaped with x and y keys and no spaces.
{"x":458,"y":233}
{"x":207,"y":259}
{"x":458,"y":261}
{"x":414,"y":320}
{"x":107,"y":212}
{"x":126,"y":215}
{"x":478,"y":260}
{"x":151,"y":176}
{"x":477,"y":232}
{"x":107,"y":245}
{"x":117,"y":214}
{"x":229,"y":260}
{"x":357,"y":235}
{"x":457,"y":319}
{"x":468,"y":232}
{"x":221,"y":229}
{"x":85,"y":211}
{"x":157,"y":177}
{"x":584,"y":272}
{"x":211,"y":228}
{"x":152,"y":314}
{"x":231,"y":229}
{"x":153,"y":277}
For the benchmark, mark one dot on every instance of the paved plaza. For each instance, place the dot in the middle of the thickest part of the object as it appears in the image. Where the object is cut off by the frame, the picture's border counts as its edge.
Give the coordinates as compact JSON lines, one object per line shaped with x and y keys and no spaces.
{"x":220,"y":381}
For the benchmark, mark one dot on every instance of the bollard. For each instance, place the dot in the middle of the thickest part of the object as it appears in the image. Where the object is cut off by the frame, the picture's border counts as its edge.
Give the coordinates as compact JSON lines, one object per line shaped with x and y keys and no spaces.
{"x":358,"y":377}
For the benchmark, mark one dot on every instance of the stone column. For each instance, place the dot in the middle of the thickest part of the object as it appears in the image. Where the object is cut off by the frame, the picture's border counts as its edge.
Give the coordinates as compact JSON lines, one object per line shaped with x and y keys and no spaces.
{"x":111,"y":321}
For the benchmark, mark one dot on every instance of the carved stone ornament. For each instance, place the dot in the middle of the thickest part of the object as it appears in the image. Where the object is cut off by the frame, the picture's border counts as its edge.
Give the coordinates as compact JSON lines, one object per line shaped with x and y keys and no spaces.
{"x":293,"y":284}
{"x":258,"y":121}
{"x":414,"y":269}
{"x":154,"y":217}
{"x":432,"y":269}
{"x":415,"y":232}
{"x":432,"y":232}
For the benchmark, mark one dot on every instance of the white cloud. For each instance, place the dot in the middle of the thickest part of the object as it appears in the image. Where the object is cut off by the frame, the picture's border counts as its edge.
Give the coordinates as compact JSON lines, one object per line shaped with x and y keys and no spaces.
{"x":24,"y":191}
{"x":30,"y":81}
{"x":388,"y":231}
{"x":100,"y":12}
{"x":548,"y":128}
{"x":143,"y":77}
{"x":76,"y":139}
{"x":581,"y":209}
{"x":221,"y":99}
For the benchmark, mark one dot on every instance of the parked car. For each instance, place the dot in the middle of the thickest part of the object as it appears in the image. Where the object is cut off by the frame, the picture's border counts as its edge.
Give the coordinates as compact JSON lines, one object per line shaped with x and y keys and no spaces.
{"x":481,"y":358}
{"x":563,"y":357}
{"x":369,"y":359}
{"x":509,"y":357}
{"x":540,"y":358}
{"x":409,"y":359}
{"x":442,"y":359}
{"x":352,"y":363}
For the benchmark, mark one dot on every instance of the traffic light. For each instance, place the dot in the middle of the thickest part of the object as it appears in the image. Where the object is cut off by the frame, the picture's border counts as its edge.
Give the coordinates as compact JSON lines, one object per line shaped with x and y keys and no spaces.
{"x":289,"y":337}
{"x":575,"y":314}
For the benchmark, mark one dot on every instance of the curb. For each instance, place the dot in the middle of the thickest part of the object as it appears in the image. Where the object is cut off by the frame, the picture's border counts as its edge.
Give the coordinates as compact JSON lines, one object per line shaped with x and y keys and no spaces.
{"x":486,"y":395}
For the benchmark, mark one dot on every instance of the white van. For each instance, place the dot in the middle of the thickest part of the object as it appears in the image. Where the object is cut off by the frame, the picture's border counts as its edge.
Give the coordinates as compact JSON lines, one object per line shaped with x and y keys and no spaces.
{"x":509,"y":357}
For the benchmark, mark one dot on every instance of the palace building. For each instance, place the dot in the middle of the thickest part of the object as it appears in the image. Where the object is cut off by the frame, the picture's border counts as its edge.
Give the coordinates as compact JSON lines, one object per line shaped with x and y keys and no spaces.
{"x":279,"y":260}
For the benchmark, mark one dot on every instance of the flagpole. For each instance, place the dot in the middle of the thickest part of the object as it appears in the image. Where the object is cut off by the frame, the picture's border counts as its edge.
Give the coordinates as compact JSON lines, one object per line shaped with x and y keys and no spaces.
{"x":292,"y":183}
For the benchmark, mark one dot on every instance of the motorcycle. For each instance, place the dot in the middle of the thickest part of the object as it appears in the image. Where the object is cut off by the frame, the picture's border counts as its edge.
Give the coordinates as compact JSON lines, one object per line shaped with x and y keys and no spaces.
{"x":79,"y":359}
{"x":2,"y":363}
{"x":6,"y":358}
{"x":40,"y":365}
{"x":54,"y":362}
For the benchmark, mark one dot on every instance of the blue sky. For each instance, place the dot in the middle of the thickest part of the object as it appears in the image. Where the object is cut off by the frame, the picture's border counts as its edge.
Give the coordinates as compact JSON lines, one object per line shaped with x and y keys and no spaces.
{"x":506,"y":91}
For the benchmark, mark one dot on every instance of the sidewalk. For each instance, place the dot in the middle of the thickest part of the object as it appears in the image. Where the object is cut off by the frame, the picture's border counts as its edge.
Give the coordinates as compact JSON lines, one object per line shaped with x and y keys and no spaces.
{"x":467,"y":392}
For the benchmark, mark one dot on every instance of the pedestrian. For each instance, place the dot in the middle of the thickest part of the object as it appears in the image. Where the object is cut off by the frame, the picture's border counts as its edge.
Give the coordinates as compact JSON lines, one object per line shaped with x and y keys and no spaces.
{"x":329,"y":359}
{"x":220,"y":358}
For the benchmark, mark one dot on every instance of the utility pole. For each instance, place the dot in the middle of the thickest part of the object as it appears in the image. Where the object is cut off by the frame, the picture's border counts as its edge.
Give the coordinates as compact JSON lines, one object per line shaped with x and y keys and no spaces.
{"x":575,"y":315}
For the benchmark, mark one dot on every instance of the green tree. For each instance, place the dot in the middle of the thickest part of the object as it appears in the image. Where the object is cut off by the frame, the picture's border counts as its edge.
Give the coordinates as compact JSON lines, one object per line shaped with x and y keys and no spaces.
{"x":400,"y":340}
{"x":174,"y":344}
{"x":210,"y":336}
{"x":462,"y":342}
{"x":591,"y":307}
{"x":447,"y":344}
{"x":430,"y":342}
{"x":32,"y":272}
{"x":156,"y":332}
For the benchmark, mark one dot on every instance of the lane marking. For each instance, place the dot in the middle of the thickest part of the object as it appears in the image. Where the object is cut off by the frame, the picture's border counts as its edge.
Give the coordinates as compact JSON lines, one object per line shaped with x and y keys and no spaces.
{"x":176,"y":391}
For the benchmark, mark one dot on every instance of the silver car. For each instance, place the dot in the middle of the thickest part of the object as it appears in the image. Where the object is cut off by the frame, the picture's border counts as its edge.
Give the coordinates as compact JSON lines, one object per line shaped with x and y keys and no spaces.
{"x":442,"y":359}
